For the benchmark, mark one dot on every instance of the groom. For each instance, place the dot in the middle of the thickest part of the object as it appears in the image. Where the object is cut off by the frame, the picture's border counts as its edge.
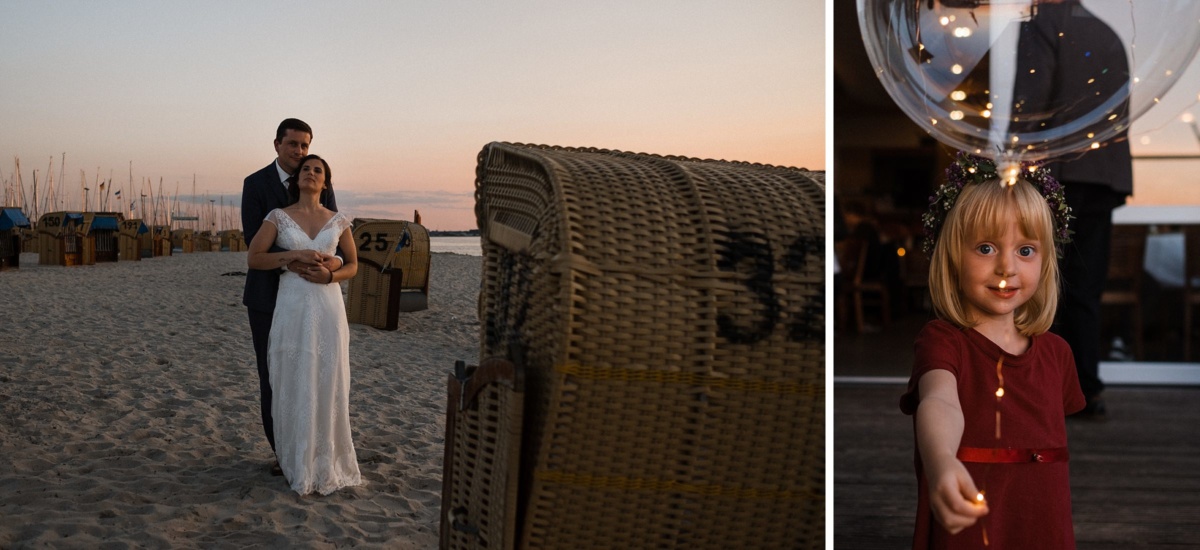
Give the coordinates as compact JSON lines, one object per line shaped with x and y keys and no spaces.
{"x":263,"y":191}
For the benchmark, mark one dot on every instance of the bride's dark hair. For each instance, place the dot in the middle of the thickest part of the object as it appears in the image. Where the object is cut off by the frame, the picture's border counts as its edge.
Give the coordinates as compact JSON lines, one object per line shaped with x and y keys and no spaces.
{"x":293,"y":189}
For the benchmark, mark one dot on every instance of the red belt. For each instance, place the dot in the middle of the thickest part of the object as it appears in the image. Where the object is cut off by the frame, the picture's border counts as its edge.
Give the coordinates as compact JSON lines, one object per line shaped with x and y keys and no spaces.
{"x":1011,"y":456}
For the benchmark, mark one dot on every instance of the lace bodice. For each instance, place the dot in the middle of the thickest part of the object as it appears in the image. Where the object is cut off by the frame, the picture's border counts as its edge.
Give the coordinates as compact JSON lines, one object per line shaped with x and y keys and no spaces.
{"x":292,"y":237}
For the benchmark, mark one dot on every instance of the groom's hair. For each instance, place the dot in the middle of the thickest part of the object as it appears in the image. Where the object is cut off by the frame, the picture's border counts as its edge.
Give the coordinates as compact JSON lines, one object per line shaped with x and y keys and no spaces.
{"x":292,"y":124}
{"x":293,"y":189}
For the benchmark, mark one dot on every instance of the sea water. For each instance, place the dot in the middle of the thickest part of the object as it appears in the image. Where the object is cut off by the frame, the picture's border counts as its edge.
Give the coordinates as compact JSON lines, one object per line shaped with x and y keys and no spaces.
{"x":470,"y":246}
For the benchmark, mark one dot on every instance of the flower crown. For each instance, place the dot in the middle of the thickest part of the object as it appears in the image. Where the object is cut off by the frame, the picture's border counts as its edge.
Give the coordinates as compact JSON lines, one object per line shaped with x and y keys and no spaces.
{"x":969,"y":169}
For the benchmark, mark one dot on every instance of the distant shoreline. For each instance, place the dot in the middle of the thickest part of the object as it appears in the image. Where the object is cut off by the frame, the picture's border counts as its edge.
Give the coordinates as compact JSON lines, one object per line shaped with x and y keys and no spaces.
{"x":464,"y":233}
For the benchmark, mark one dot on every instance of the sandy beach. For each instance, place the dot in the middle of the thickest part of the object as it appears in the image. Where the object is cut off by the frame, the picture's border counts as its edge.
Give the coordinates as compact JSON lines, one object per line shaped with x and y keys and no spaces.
{"x":129,"y":412}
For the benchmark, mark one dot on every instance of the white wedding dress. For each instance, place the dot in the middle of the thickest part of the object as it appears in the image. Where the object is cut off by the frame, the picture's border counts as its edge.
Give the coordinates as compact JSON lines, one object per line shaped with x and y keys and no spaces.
{"x":308,"y":355}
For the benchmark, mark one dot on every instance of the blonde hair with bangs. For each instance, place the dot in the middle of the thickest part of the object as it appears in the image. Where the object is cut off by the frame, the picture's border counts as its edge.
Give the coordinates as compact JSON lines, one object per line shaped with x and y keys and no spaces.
{"x":984,"y":209}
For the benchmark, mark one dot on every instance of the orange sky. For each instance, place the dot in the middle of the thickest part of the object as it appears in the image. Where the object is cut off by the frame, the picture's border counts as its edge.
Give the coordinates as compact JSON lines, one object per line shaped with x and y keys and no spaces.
{"x":401,"y":97}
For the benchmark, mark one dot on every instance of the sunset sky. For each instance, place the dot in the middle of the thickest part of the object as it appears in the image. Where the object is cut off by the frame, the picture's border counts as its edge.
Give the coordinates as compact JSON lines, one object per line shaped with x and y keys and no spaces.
{"x":401,"y":95}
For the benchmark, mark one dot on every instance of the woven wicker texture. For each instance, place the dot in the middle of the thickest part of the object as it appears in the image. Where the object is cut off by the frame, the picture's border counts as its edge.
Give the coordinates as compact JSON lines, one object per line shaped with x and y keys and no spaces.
{"x":483,"y":441}
{"x":393,"y":272}
{"x":669,"y":314}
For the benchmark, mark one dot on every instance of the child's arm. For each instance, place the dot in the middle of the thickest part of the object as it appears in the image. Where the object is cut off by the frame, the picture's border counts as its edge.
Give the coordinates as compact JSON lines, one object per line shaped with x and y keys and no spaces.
{"x":939,"y":431}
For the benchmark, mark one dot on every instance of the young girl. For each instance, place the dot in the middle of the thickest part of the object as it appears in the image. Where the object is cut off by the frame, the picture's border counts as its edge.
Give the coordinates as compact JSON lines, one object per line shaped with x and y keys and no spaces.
{"x":990,"y":388}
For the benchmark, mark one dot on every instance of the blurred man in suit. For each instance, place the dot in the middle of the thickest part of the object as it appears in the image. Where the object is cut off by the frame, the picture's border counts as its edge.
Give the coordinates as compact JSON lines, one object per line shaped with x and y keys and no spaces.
{"x":1070,"y":62}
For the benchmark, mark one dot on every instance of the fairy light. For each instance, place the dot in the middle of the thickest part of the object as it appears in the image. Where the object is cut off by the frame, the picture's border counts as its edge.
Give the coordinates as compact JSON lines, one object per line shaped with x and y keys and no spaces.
{"x":1003,"y":283}
{"x":1010,"y":175}
{"x":999,"y":392}
{"x":999,"y":395}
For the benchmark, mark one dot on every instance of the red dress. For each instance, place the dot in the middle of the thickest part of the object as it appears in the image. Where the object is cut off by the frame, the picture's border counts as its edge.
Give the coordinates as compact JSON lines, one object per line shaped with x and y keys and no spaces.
{"x":1029,"y":502}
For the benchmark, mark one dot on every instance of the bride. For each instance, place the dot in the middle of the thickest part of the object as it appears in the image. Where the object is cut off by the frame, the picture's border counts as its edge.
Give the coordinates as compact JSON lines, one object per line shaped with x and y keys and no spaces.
{"x":308,"y":352}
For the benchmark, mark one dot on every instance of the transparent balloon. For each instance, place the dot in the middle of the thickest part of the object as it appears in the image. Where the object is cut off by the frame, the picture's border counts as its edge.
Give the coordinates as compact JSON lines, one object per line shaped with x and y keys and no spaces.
{"x":1028,"y":80}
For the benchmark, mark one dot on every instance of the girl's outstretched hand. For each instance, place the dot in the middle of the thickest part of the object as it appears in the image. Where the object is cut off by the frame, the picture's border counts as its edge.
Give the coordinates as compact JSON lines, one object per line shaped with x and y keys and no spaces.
{"x":953,"y":497}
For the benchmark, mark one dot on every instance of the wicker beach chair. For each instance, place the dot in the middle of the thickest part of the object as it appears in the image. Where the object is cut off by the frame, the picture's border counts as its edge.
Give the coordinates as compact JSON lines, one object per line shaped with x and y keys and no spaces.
{"x":61,"y":239}
{"x":184,"y":240}
{"x":101,"y":230}
{"x":668,"y":316}
{"x":232,"y":240}
{"x":129,"y":239}
{"x":393,"y":272}
{"x":13,"y":224}
{"x":161,"y":244}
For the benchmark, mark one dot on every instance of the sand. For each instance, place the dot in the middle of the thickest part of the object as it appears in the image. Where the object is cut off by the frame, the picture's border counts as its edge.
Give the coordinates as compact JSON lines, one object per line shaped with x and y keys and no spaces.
{"x":129,"y":412}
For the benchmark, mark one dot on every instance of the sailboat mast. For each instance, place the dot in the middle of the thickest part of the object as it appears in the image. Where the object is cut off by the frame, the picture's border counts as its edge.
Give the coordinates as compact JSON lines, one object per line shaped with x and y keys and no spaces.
{"x":62,"y":174}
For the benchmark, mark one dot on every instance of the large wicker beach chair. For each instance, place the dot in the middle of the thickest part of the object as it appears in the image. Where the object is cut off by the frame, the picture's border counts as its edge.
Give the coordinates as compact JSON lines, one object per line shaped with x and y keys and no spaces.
{"x":62,"y":239}
{"x":232,"y":240}
{"x":393,"y":272}
{"x":161,"y":245}
{"x":664,"y":317}
{"x":129,"y":239}
{"x":101,"y":230}
{"x":184,"y":240}
{"x":12,"y":225}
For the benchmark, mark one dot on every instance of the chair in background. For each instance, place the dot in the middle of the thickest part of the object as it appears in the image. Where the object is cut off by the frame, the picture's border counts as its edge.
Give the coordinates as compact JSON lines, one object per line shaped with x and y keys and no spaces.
{"x":1191,"y":284}
{"x":860,"y":290}
{"x":914,"y":275}
{"x":1125,"y":266}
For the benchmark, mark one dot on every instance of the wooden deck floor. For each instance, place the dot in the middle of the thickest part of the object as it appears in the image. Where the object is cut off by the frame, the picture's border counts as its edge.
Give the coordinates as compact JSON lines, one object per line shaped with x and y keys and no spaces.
{"x":1135,"y":478}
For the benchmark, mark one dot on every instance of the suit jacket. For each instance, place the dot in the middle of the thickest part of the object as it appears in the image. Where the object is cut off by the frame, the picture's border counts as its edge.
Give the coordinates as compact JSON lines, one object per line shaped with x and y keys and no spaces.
{"x":1078,"y":62}
{"x":261,"y":193}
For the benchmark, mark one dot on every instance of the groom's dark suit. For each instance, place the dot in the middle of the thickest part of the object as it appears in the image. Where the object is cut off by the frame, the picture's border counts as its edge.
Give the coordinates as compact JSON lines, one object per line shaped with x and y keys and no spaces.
{"x":1071,"y":62}
{"x":263,"y":192}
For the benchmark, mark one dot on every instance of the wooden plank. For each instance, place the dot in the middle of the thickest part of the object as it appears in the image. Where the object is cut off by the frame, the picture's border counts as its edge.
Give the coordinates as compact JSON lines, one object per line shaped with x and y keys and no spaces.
{"x":1135,"y":478}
